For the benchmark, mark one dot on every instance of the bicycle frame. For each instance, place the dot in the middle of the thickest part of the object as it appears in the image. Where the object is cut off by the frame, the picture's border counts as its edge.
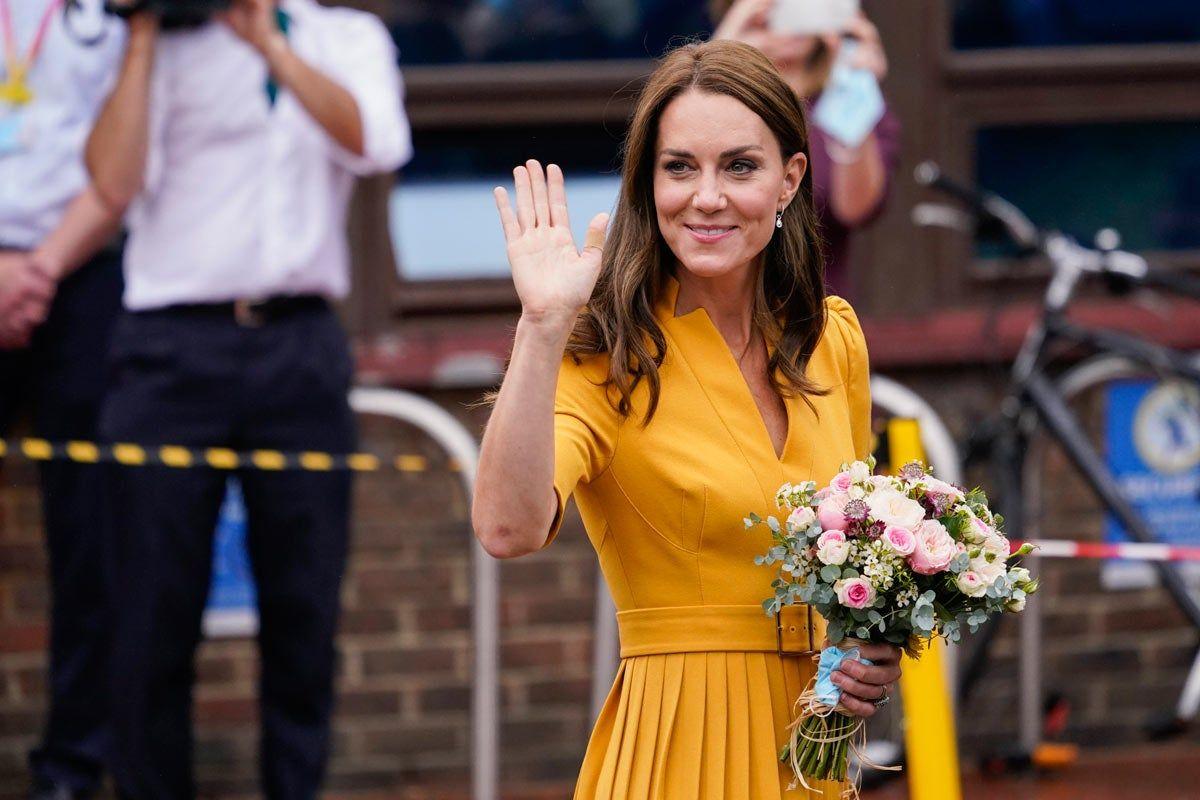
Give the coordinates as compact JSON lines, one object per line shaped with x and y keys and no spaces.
{"x":1035,"y":391}
{"x":1035,"y":399}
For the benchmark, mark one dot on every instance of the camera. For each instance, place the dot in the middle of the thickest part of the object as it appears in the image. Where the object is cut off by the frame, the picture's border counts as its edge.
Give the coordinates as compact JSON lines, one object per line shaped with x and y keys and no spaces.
{"x":173,"y":14}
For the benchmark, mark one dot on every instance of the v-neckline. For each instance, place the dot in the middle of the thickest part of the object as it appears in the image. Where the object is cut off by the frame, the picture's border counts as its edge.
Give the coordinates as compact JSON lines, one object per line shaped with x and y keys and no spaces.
{"x":666,"y":311}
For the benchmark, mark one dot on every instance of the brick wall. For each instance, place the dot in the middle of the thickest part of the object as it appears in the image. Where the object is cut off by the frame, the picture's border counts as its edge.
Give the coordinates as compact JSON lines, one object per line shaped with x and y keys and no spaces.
{"x":402,"y":724}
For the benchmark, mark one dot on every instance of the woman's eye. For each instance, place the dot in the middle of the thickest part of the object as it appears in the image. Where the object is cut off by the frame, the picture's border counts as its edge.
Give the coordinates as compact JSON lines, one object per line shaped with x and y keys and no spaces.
{"x":676,"y":167}
{"x":742,"y":167}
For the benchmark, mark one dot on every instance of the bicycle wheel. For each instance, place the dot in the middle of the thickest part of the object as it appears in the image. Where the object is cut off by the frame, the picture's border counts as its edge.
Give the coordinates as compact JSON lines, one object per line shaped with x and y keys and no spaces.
{"x":1112,"y":640}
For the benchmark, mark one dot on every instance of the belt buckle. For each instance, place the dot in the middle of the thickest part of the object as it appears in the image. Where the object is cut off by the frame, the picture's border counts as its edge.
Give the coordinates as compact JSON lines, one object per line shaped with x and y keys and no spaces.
{"x":779,"y":630}
{"x":248,"y":313}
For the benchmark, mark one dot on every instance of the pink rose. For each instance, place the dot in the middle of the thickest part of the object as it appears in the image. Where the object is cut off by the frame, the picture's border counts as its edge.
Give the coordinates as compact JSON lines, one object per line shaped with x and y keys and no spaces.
{"x":935,"y":548}
{"x":855,"y":592}
{"x":832,"y":512}
{"x":842,"y":482}
{"x":900,"y":540}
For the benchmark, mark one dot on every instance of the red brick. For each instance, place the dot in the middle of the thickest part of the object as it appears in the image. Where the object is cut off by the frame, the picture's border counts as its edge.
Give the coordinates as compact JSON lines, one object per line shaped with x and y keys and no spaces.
{"x":374,"y":620}
{"x":407,"y":662}
{"x":362,"y":703}
{"x":226,"y":710}
{"x":23,"y":637}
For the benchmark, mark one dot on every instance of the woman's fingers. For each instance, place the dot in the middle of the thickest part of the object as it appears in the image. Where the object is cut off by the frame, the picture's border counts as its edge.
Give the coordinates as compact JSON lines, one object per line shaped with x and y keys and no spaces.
{"x":541,"y":200}
{"x":593,"y":240}
{"x":508,"y":220}
{"x":558,"y":197}
{"x":525,"y":213}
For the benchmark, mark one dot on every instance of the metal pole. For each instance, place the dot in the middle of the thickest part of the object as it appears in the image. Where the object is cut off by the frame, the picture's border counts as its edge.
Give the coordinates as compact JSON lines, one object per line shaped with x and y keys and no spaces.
{"x":485,"y":617}
{"x":606,"y":648}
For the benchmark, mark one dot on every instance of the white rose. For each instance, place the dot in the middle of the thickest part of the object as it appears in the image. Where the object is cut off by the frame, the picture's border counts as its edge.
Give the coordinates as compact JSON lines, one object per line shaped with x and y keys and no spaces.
{"x":989,"y":571}
{"x":834,"y":551}
{"x":932,"y":484}
{"x":859,"y":471}
{"x":893,"y":508}
{"x":1018,"y":575}
{"x":1015,"y":605}
{"x":998,"y":546}
{"x":971,"y":583}
{"x":802,"y":518}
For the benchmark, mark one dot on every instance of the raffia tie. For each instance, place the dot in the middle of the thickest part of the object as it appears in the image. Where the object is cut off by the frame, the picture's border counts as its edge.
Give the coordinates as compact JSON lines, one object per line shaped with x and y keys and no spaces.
{"x":806,"y":707}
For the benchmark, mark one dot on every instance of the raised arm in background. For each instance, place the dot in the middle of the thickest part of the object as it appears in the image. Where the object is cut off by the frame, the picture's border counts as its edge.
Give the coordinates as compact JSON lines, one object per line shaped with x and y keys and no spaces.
{"x":116,"y":149}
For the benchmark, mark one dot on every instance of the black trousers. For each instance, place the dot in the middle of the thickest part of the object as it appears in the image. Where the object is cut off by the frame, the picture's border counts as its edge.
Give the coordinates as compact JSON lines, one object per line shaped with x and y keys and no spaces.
{"x":61,"y":376}
{"x":198,"y":378}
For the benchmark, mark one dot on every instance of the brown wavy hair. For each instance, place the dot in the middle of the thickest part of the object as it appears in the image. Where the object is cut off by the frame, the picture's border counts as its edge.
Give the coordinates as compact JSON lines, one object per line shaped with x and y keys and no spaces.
{"x":789,"y":304}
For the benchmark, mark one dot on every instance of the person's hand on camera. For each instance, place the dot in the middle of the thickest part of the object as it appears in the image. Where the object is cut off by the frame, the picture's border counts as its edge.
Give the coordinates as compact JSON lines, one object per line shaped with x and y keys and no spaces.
{"x":253,"y":21}
{"x":26,"y":291}
{"x":748,"y":21}
{"x":554,"y":280}
{"x":870,"y":54}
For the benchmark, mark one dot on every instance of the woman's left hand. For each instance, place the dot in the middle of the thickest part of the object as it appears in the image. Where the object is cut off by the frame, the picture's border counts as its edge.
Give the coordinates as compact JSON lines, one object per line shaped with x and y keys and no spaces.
{"x":863,"y":686}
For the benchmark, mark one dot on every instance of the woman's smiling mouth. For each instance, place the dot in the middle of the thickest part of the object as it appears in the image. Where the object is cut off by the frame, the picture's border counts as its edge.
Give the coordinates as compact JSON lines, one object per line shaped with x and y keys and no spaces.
{"x":710,"y":233}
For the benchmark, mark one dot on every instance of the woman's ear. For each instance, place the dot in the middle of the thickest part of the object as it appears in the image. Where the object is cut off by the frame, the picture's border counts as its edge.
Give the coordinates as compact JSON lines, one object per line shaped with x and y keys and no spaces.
{"x":793,"y":174}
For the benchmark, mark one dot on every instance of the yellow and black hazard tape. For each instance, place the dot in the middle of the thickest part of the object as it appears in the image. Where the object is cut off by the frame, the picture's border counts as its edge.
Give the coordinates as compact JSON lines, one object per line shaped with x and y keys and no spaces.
{"x":222,"y":458}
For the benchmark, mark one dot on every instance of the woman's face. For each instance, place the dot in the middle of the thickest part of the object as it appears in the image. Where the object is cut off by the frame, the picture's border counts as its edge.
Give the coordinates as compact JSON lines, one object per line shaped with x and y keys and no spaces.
{"x":719,"y":180}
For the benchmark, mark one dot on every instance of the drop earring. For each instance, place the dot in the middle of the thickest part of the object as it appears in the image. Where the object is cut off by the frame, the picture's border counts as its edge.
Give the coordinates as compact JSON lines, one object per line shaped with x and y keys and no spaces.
{"x":779,"y":219}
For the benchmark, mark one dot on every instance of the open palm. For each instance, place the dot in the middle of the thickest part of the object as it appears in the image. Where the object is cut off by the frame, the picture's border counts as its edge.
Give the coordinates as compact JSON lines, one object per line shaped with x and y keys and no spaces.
{"x":553,"y":278}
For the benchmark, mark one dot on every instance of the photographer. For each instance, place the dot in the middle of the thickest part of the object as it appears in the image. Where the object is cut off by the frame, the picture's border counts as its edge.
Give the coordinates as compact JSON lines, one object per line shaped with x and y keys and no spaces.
{"x":60,"y":292}
{"x":236,"y":141}
{"x":852,"y":162}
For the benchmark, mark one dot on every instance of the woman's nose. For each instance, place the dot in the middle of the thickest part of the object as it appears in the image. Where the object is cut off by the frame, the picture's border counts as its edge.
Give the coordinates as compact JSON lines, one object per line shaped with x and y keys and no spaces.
{"x":708,"y":196}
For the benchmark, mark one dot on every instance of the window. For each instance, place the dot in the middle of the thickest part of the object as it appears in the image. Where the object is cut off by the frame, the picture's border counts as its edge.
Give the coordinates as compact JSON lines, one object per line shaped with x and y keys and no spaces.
{"x":1141,"y":178}
{"x":489,"y":31}
{"x":443,"y":219}
{"x":1043,"y":23}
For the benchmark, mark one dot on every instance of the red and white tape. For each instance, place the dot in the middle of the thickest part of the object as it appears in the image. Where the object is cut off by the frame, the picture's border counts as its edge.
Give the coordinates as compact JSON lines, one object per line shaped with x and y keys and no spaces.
{"x":1138,"y":551}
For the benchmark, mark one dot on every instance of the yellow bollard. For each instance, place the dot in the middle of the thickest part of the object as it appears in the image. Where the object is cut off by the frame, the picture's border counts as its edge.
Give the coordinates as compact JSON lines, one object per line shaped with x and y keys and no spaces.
{"x":930,"y":740}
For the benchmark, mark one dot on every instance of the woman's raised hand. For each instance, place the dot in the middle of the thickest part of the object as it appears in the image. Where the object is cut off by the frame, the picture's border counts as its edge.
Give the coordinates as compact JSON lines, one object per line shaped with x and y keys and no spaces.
{"x":554,"y":280}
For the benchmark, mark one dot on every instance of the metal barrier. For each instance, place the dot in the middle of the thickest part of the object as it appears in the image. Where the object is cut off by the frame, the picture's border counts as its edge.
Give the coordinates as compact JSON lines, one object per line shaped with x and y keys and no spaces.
{"x":485,"y":614}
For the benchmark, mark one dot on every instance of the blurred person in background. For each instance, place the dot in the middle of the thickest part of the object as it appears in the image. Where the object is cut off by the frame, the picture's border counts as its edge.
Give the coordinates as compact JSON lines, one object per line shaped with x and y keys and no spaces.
{"x":236,"y":141}
{"x":851,"y":182}
{"x":60,"y":292}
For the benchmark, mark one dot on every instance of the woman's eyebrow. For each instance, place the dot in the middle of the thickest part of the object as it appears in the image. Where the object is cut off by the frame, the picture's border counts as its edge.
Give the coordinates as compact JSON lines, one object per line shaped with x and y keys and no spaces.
{"x":735,"y":151}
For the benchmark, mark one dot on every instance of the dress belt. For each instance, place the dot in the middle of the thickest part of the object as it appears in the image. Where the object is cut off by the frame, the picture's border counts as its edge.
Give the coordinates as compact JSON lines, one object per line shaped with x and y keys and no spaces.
{"x":795,"y":631}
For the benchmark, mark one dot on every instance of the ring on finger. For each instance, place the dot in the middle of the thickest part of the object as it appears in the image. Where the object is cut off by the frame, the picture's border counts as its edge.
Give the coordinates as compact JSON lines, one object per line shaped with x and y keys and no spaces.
{"x":883,"y":700}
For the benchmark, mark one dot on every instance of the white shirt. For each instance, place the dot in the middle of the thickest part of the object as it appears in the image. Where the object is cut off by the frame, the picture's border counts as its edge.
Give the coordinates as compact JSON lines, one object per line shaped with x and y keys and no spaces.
{"x":243,"y":200}
{"x":69,"y":80}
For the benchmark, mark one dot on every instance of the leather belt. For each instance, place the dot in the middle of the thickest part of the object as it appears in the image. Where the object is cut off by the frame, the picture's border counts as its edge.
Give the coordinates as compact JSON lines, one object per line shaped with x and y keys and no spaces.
{"x":251,"y":313}
{"x":795,"y":631}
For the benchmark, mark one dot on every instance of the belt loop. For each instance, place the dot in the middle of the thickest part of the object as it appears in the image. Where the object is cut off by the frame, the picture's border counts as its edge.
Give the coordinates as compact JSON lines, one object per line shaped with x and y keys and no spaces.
{"x":247,"y":314}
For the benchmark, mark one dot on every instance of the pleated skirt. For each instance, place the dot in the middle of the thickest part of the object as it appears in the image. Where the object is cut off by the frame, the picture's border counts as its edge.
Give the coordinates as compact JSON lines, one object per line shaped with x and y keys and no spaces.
{"x":698,"y":726}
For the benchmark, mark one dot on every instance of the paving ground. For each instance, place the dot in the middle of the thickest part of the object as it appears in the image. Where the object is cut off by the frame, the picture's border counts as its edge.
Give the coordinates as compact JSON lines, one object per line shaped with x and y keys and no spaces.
{"x":1161,"y":772}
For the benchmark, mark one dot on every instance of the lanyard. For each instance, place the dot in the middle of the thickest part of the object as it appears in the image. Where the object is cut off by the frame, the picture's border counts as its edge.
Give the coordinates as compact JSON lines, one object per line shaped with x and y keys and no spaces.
{"x":14,"y":89}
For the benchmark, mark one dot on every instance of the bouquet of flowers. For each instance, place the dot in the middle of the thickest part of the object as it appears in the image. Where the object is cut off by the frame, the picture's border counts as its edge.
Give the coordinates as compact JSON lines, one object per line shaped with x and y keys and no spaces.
{"x":896,"y":559}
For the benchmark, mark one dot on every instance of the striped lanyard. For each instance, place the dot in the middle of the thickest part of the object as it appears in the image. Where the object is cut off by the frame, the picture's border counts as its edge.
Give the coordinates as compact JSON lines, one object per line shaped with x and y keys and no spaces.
{"x":283,"y":20}
{"x":15,"y":90}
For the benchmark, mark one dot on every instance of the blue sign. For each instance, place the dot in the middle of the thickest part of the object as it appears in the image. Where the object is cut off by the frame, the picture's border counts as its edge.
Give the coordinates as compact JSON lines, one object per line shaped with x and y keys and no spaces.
{"x":232,"y":608}
{"x":1153,"y":432}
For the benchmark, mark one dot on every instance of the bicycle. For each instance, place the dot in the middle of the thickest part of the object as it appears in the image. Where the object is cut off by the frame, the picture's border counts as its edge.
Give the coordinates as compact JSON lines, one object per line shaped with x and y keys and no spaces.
{"x":1042,"y":407}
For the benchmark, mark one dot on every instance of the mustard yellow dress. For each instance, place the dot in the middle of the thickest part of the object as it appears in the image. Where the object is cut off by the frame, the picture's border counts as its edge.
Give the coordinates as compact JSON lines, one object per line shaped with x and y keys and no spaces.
{"x":702,"y":698}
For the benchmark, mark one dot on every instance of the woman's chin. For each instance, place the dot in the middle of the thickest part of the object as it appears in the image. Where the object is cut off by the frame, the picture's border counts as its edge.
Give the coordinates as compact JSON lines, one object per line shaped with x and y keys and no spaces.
{"x":712,"y":266}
